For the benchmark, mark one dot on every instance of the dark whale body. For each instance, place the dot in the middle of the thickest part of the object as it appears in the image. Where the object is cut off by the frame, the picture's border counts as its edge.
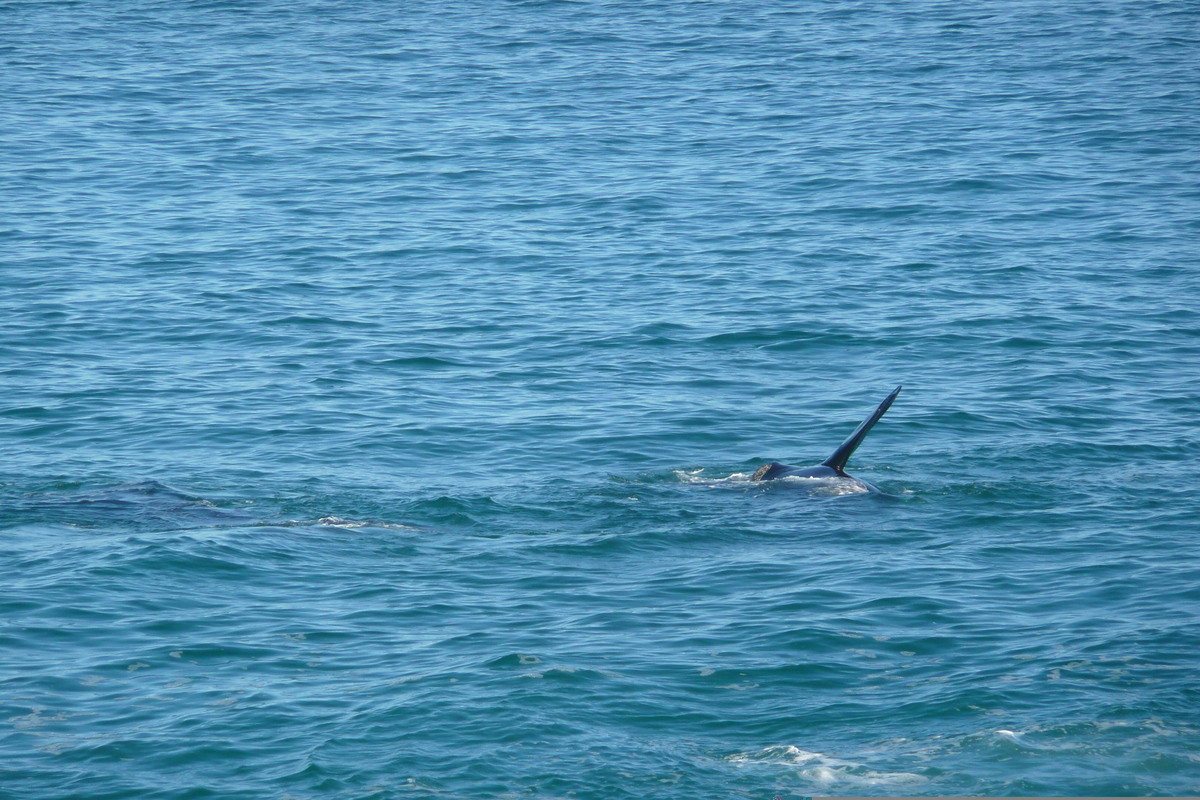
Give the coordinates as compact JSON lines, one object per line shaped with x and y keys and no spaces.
{"x":835,"y":465}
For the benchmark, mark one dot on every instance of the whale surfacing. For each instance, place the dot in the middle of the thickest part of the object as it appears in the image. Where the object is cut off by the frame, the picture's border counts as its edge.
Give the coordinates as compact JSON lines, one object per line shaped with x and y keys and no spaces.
{"x":835,"y":465}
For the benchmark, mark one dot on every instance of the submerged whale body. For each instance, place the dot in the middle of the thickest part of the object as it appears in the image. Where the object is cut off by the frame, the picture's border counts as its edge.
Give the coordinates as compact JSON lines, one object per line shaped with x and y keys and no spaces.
{"x":835,"y":465}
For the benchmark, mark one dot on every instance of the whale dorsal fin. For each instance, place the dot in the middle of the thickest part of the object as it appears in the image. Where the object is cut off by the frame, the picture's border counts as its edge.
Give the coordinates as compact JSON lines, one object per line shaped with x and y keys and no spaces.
{"x":838,"y":460}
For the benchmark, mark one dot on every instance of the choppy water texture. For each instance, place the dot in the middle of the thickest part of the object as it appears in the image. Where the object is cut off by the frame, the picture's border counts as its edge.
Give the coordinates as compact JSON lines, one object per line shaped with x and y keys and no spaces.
{"x":373,"y":373}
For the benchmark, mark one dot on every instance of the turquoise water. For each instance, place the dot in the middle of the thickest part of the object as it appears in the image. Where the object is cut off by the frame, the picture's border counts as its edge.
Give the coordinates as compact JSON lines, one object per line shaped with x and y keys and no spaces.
{"x":380,"y":380}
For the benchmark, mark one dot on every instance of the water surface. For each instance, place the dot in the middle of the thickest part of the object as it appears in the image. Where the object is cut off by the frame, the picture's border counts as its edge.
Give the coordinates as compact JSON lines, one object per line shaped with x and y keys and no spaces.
{"x":374,"y":373}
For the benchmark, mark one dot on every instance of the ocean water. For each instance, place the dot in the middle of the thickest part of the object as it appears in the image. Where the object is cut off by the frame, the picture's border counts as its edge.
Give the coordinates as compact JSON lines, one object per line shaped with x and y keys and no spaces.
{"x":380,"y":380}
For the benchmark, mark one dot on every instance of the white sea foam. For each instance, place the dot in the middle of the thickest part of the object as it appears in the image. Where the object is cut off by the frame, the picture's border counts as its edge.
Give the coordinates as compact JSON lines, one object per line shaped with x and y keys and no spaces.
{"x":820,"y":487}
{"x":827,"y":487}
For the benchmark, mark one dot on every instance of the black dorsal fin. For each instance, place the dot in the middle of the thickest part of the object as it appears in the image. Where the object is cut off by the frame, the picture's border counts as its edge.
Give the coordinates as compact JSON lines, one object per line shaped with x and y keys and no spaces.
{"x":838,"y":460}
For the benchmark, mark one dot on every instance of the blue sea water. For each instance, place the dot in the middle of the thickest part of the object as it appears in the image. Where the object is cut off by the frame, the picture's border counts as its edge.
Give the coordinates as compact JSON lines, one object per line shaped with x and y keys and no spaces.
{"x":380,"y":380}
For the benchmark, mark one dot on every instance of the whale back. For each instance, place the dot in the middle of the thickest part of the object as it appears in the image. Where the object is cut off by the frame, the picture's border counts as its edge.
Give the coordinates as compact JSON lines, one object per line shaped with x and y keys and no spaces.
{"x":768,"y":472}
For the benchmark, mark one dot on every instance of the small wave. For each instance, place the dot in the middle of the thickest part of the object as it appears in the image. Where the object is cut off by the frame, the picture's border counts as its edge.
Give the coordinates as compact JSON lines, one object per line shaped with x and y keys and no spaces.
{"x":1071,"y":738}
{"x":147,"y":505}
{"x":341,"y":522}
{"x":696,"y":477}
{"x":822,"y":770}
{"x":514,"y":660}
